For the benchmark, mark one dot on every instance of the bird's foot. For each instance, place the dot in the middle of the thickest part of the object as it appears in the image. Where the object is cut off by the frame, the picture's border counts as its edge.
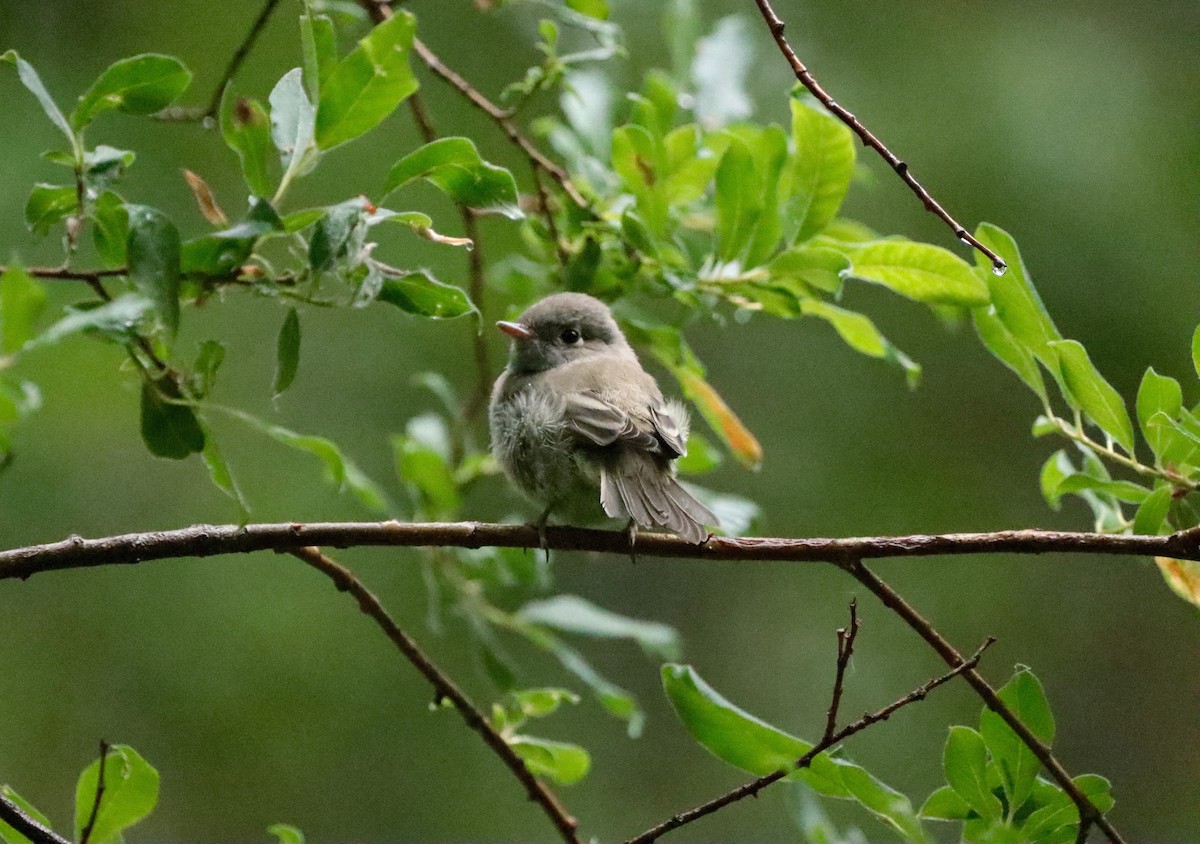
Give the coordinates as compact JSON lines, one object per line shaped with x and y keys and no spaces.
{"x":540,"y":525}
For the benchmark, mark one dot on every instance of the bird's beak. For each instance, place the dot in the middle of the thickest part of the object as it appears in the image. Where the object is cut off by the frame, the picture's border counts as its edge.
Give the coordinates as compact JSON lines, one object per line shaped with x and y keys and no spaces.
{"x":515,"y":330}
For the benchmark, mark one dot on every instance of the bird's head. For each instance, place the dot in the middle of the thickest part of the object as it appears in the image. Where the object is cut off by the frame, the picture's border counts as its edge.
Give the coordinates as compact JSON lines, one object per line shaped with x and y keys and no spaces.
{"x":559,"y":329}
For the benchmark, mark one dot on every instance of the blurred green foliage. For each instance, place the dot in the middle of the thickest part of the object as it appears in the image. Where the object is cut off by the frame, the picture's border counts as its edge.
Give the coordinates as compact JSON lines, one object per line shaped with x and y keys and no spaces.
{"x":260,"y":700}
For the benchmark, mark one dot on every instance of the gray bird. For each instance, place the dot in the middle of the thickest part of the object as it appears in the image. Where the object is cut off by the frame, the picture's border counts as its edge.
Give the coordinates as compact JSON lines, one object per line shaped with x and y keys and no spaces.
{"x":574,"y":414}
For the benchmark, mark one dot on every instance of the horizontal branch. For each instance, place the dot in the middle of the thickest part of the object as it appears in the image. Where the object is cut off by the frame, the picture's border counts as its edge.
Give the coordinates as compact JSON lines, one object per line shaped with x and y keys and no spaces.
{"x":210,"y":540}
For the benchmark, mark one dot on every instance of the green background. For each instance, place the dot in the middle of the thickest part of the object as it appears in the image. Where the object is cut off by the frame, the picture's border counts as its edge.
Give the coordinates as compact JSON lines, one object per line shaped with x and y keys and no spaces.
{"x":261,"y":694}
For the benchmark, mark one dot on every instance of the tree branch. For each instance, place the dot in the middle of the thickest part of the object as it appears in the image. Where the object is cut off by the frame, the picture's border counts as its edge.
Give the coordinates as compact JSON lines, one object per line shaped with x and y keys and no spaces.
{"x":15,"y":816}
{"x":210,"y":540}
{"x":868,"y":138}
{"x":751,"y":788}
{"x":443,"y":687}
{"x":845,"y":649}
{"x":1088,"y":813}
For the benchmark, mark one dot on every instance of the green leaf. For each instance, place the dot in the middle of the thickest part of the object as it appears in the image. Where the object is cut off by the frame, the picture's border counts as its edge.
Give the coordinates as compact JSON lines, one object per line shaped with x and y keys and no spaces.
{"x":1023,"y":694}
{"x":1004,"y":346}
{"x":169,"y":428}
{"x":918,"y":271}
{"x":572,"y":614}
{"x":1087,"y":390}
{"x":736,"y":515}
{"x":701,"y":458}
{"x":744,"y":741}
{"x":137,"y":85}
{"x":1016,"y":300}
{"x":1196,"y":350}
{"x":285,"y":833}
{"x":318,"y":39}
{"x":222,"y":476}
{"x":22,"y":300}
{"x":339,"y":235}
{"x":860,"y":334}
{"x":111,"y":228}
{"x":419,"y":293}
{"x":720,"y":417}
{"x":1120,"y":490}
{"x":564,"y":763}
{"x":10,"y":835}
{"x":423,"y":461}
{"x":1151,"y":517}
{"x":368,"y":84}
{"x":287,"y":353}
{"x":1160,"y":394}
{"x":130,"y":794}
{"x":738,"y":200}
{"x":118,"y":320}
{"x":153,"y":251}
{"x":1060,"y":811}
{"x":455,"y":166}
{"x":30,"y":79}
{"x":293,"y":122}
{"x":804,"y":267}
{"x":538,"y":703}
{"x":47,"y":205}
{"x":945,"y":805}
{"x":340,"y":471}
{"x":246,"y":129}
{"x":597,"y":9}
{"x":965,"y":763}
{"x":818,"y":171}
{"x":613,"y":698}
{"x":223,"y":253}
{"x":1055,"y":470}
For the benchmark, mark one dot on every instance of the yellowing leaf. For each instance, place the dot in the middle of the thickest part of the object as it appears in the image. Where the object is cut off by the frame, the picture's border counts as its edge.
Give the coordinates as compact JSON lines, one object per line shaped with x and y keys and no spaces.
{"x":724,"y":421}
{"x":1183,"y":576}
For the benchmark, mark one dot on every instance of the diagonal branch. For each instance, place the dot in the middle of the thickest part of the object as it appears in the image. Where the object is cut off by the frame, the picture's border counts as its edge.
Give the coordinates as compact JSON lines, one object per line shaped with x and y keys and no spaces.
{"x":751,"y":788}
{"x":183,"y":114}
{"x":804,"y":75}
{"x":1088,"y":813}
{"x":91,"y":821}
{"x":443,"y":688}
{"x":16,"y":817}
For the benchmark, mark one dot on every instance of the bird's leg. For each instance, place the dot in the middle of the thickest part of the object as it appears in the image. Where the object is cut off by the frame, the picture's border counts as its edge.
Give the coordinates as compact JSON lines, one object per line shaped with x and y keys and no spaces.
{"x":631,"y":532}
{"x":540,"y":524}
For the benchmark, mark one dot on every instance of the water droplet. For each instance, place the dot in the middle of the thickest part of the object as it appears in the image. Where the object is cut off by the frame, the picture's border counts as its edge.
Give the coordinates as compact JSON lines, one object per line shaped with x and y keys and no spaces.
{"x":999,"y":267}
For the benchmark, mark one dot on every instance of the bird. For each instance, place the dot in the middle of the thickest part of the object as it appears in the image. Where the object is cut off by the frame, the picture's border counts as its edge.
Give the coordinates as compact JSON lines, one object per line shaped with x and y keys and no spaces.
{"x":576,"y":421}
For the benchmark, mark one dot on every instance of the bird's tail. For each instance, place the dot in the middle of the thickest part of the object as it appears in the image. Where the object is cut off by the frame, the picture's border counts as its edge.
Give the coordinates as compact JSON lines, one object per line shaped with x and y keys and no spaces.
{"x":636,"y":487}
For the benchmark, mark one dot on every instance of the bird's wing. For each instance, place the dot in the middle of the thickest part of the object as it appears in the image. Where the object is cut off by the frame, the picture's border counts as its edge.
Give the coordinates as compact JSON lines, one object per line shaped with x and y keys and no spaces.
{"x":602,"y":423}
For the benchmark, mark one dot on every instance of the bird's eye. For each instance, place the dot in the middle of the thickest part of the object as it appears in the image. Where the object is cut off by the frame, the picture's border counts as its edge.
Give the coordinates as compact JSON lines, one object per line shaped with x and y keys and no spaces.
{"x":570,"y":336}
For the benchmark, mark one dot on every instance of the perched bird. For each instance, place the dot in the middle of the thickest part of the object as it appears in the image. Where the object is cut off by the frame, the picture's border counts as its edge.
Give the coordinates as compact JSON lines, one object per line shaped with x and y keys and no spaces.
{"x":575,"y":420}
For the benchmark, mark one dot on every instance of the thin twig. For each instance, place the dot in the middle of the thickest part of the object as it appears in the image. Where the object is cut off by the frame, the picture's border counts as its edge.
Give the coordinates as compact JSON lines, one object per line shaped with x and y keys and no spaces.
{"x":845,"y":649}
{"x":91,"y":821}
{"x":16,"y":817}
{"x":443,"y":688}
{"x":184,"y":114}
{"x":868,"y":138}
{"x":1088,"y":813}
{"x":751,"y":788}
{"x":548,"y":213}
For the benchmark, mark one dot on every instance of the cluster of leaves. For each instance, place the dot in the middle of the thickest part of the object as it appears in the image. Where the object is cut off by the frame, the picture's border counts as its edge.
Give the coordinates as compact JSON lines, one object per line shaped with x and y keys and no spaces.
{"x":993,"y":785}
{"x":1018,"y":330}
{"x":105,"y":810}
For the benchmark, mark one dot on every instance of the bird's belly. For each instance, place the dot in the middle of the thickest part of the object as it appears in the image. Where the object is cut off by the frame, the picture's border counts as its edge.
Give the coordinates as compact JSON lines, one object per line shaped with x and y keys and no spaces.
{"x":531,"y":441}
